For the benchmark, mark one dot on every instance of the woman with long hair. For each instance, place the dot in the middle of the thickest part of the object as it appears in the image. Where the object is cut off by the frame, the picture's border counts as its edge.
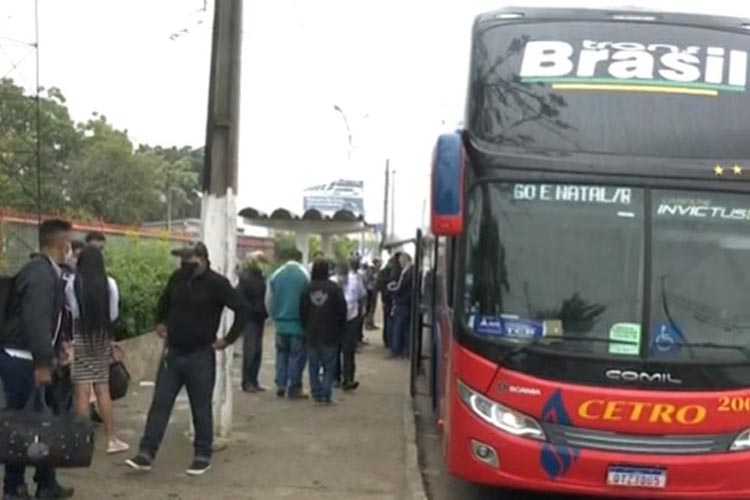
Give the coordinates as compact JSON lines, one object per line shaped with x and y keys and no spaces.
{"x":93,"y":299}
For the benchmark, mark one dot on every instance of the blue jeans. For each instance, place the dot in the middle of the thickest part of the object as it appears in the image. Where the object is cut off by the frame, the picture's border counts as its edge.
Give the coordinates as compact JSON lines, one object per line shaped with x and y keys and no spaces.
{"x":399,"y":324}
{"x":290,"y":362}
{"x":197,"y":372}
{"x":18,"y":384}
{"x":252,"y":354}
{"x":323,"y":359}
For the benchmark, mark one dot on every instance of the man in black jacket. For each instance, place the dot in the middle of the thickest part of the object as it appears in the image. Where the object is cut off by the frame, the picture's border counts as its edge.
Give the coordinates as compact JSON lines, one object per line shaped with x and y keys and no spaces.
{"x":27,"y":344}
{"x":401,"y":312}
{"x":252,"y":288}
{"x":188,"y":316}
{"x":323,"y":316}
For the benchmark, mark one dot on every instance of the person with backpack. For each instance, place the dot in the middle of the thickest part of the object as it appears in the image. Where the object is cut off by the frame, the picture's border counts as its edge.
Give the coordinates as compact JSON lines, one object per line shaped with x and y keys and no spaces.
{"x":323,"y":316}
{"x":93,"y":298}
{"x":28,"y":338}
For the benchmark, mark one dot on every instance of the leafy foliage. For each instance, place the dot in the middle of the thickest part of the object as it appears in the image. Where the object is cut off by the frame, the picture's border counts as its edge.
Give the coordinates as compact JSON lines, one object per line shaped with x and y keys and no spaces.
{"x":342,"y":246}
{"x":141,"y":269}
{"x":90,"y":170}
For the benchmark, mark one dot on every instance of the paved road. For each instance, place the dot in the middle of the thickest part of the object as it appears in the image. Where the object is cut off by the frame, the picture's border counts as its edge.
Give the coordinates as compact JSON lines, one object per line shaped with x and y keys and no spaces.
{"x":279,"y":449}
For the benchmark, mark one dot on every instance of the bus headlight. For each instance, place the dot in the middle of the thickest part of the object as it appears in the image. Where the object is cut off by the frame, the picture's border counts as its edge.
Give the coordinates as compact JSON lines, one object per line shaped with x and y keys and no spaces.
{"x":741,"y":442}
{"x":500,"y":416}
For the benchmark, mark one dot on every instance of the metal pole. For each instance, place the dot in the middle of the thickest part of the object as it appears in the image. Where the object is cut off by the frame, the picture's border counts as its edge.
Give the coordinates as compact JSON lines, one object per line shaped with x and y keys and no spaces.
{"x":348,"y":131}
{"x":38,"y":120}
{"x":169,"y":210}
{"x":393,"y":204}
{"x":384,"y":236}
{"x":218,"y":210}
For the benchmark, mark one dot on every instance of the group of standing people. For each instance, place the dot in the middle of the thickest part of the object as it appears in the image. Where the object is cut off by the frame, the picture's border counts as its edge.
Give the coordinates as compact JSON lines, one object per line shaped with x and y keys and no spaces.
{"x":319,"y":316}
{"x":56,"y":340}
{"x":62,"y":306}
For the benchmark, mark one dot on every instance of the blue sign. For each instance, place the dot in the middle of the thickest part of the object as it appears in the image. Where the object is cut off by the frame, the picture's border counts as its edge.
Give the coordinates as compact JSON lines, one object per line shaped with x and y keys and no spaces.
{"x":509,"y":327}
{"x":667,"y":338}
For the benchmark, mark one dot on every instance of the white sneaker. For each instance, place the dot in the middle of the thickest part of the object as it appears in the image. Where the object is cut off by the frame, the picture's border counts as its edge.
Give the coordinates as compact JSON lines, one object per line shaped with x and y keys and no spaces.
{"x":116,"y":446}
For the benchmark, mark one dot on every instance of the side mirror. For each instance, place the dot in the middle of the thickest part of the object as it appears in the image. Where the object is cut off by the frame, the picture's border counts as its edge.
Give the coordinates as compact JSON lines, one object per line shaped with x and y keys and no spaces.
{"x":447,"y":217}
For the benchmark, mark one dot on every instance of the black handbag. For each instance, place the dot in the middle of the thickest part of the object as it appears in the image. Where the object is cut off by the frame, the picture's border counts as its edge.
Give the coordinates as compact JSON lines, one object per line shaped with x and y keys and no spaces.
{"x":119,"y":380}
{"x":35,"y":437}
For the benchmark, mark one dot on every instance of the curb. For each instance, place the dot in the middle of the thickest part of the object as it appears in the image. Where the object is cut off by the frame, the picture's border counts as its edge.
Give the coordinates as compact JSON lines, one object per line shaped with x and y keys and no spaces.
{"x":415,"y":487}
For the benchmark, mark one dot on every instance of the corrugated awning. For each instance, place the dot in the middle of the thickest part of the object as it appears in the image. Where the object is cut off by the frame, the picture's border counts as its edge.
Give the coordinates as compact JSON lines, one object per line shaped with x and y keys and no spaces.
{"x":311,"y":221}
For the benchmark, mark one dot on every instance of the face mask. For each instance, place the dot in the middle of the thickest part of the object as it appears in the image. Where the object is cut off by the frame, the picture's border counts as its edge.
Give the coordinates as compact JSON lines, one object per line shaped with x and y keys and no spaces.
{"x":190,"y":266}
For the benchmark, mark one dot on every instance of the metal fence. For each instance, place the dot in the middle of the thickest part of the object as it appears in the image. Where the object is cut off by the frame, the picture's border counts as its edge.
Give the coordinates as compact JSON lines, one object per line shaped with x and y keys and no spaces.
{"x":19,"y":238}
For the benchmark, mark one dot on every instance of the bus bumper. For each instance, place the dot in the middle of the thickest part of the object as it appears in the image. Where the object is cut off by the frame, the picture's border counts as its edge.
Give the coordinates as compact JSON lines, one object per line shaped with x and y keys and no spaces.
{"x":520,"y":465}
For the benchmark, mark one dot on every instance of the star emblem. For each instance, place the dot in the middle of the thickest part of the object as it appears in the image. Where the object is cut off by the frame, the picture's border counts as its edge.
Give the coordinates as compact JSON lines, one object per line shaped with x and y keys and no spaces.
{"x":719,"y":170}
{"x":737,"y":170}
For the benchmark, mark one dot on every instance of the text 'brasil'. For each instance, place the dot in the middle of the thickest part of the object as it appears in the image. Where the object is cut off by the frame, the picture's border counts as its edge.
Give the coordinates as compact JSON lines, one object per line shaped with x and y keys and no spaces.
{"x":635,"y":67}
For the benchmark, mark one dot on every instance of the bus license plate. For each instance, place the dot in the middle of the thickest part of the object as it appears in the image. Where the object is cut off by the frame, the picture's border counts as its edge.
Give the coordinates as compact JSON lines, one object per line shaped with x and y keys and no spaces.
{"x":637,"y":477}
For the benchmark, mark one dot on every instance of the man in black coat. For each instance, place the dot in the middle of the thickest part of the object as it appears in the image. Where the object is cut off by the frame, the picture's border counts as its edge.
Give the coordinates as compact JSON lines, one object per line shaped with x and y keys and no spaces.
{"x":323,"y":316}
{"x":27,"y":344}
{"x":252,"y":288}
{"x":188,"y":316}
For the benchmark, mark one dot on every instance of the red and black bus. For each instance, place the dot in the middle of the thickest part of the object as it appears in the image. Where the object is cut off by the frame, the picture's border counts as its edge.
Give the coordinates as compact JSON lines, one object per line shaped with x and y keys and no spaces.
{"x":591,"y":284}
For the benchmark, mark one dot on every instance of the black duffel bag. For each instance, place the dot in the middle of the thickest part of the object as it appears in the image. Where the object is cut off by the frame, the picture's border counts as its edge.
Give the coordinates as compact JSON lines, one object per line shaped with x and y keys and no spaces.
{"x":119,"y":377}
{"x":35,"y":437}
{"x":119,"y":380}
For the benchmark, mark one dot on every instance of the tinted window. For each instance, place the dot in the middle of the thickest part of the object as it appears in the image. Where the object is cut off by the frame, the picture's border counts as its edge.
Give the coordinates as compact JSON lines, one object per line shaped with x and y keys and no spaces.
{"x":619,"y":88}
{"x":701,"y":271}
{"x":555,"y":260}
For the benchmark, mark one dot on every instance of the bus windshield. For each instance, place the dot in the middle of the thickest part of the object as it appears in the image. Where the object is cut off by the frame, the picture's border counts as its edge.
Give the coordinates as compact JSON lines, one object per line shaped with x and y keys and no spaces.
{"x":545,"y":261}
{"x":550,"y":87}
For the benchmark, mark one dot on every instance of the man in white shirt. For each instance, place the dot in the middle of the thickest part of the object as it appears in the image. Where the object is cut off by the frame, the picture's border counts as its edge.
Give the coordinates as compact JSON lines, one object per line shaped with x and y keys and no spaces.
{"x":356,"y":296}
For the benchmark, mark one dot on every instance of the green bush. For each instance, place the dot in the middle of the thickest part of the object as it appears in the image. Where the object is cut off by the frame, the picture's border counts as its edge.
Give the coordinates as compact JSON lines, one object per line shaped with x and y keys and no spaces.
{"x":141,"y":268}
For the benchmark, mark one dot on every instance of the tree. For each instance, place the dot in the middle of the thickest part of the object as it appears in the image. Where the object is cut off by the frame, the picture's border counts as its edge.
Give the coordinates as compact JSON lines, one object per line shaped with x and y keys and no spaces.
{"x":59,"y":141}
{"x":108,"y":180}
{"x":343,"y":246}
{"x":178,"y":173}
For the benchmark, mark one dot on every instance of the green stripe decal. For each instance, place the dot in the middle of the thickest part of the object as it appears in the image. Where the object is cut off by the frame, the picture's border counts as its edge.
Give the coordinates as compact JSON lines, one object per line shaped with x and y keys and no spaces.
{"x":635,"y":82}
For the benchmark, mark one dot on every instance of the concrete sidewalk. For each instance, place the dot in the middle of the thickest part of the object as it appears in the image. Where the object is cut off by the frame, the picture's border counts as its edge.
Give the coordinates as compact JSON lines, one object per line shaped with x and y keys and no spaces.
{"x":278,"y":448}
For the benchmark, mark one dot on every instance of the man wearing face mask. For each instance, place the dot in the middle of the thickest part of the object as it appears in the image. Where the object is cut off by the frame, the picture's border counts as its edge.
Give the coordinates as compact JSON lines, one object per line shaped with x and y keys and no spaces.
{"x":27,"y":344}
{"x":188,"y":316}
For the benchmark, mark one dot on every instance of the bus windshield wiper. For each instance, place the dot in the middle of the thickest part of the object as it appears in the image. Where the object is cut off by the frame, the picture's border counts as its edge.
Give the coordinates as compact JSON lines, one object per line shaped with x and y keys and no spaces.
{"x":575,"y":338}
{"x":713,"y":345}
{"x":745,"y":350}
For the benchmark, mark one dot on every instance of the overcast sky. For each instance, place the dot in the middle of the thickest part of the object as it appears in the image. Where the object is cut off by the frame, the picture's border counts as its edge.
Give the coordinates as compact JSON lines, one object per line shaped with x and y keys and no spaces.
{"x":397,"y":68}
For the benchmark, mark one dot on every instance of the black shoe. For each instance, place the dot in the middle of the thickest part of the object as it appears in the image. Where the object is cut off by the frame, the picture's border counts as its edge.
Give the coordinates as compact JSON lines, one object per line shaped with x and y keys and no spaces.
{"x":298,"y":395}
{"x":280,"y":393}
{"x":350,"y":386}
{"x":259,"y":388}
{"x":22,"y":493}
{"x":54,"y":492}
{"x":198,"y":468}
{"x":139,"y":463}
{"x":249,"y":389}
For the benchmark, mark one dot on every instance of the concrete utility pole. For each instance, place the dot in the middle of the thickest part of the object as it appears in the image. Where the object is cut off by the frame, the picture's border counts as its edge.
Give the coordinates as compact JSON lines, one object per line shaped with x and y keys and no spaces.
{"x":219,"y":211}
{"x":384,"y":235}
